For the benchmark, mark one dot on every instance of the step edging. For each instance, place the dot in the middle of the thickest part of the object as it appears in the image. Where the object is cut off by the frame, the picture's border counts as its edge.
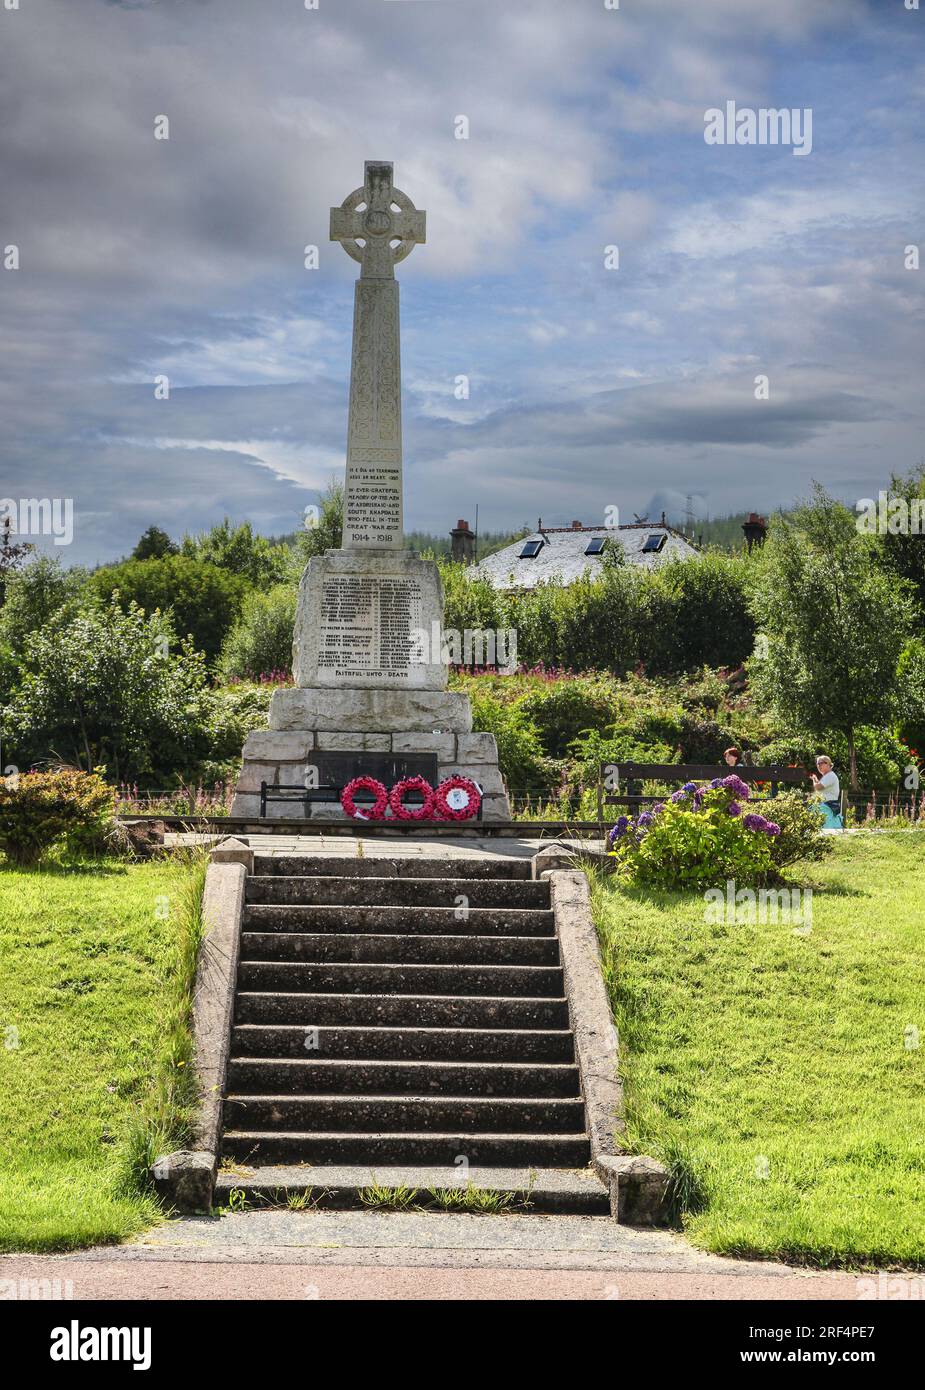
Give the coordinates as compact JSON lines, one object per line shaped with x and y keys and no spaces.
{"x":638,"y":1185}
{"x":185,"y":1179}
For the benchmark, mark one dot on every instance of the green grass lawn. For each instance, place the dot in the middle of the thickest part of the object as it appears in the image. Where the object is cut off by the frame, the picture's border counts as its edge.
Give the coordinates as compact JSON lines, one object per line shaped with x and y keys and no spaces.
{"x":94,"y":1045}
{"x":779,"y":1073}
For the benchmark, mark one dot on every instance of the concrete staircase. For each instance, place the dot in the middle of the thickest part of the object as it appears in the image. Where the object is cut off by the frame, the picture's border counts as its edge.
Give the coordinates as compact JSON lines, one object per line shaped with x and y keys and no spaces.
{"x":394,"y":1015}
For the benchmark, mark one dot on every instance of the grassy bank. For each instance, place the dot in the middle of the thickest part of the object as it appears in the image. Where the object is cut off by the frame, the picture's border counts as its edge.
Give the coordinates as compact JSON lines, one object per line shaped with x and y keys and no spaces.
{"x":95,"y":972}
{"x":780,"y":1071}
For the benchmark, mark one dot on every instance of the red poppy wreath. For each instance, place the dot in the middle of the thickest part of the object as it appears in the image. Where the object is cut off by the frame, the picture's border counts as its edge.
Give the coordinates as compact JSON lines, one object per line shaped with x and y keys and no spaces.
{"x":457,"y":798}
{"x":367,"y":784}
{"x":401,"y":789}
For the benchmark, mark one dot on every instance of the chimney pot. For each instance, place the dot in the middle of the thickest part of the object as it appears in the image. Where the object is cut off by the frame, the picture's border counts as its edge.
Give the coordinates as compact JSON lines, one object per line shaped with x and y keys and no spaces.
{"x":462,"y":540}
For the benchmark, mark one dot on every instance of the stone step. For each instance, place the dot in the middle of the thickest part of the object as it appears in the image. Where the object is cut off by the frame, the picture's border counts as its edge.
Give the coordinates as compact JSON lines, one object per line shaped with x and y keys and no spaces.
{"x":281,"y":1040}
{"x":567,"y":1191}
{"x":401,"y":1010}
{"x":396,"y":1114}
{"x":407,"y":920}
{"x":507,"y":981}
{"x":396,"y":892}
{"x":373,"y":949}
{"x":399,"y":866}
{"x":326,"y":1075}
{"x":492,"y":1150}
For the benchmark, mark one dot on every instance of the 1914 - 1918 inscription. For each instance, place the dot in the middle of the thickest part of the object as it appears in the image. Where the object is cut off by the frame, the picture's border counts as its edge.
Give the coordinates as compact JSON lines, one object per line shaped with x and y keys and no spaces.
{"x":367,"y":624}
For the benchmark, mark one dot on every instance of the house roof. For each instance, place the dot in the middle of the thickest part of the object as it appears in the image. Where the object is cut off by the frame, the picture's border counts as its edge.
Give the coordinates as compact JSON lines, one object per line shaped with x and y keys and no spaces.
{"x":561,"y":554}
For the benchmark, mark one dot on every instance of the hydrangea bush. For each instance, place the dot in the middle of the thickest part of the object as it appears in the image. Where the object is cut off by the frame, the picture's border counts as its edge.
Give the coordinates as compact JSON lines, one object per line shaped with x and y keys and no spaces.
{"x":698,"y":838}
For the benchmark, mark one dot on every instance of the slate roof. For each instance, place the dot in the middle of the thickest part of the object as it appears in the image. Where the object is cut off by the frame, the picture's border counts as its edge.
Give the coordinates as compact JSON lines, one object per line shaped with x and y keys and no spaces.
{"x":562,"y":554}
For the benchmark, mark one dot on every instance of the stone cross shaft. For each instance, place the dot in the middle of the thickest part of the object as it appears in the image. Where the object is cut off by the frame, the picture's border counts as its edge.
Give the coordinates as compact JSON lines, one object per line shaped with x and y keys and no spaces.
{"x":378,"y":226}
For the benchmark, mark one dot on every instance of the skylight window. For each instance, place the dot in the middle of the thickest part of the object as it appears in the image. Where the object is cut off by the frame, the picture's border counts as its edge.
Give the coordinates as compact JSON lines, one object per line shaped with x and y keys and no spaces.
{"x":531,"y":550}
{"x":654,"y":543}
{"x":596,"y":546}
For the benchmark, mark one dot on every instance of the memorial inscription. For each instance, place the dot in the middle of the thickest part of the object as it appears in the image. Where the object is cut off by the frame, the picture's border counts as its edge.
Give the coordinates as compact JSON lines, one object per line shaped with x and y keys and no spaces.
{"x":367,"y":625}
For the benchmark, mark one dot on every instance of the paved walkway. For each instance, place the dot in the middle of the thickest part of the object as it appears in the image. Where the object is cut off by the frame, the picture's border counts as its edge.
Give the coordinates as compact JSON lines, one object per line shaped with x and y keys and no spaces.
{"x":392,"y":846}
{"x":422,"y":1256}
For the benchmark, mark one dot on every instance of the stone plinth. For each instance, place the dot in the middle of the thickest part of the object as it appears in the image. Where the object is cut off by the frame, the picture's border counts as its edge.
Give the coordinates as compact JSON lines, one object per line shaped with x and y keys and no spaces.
{"x":368,"y":711}
{"x":280,"y":757}
{"x":369,"y":620}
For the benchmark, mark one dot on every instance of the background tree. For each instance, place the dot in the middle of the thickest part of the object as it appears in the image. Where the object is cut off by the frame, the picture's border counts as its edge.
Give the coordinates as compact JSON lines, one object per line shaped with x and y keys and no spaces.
{"x":836,"y":625}
{"x":261,"y":640}
{"x":203,"y":599}
{"x":107,"y":687}
{"x":327,"y":530}
{"x":239,"y":551}
{"x":154,"y":544}
{"x":904,"y":555}
{"x":12,"y":554}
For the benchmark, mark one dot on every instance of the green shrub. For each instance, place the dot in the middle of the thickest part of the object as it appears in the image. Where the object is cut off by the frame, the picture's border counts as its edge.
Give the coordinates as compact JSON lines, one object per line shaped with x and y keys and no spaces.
{"x":563,"y":710}
{"x":696,"y":842}
{"x":229,"y":714}
{"x":468,"y":602}
{"x":593,"y":749}
{"x":107,"y":688}
{"x":40,"y":809}
{"x":911,"y":673}
{"x":695,"y":613}
{"x":800,"y":824}
{"x":520,"y":753}
{"x":881,"y":755}
{"x":261,"y":640}
{"x":703,"y":740}
{"x":203,"y":599}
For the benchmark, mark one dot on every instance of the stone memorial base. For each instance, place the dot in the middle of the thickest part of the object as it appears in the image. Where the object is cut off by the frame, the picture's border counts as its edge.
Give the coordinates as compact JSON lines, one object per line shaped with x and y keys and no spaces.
{"x":369,"y":618}
{"x":343,"y":721}
{"x":370,"y":678}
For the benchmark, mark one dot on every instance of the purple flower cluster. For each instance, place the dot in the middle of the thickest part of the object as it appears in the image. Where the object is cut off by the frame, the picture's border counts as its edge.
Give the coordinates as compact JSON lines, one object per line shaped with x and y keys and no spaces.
{"x":769,"y":827}
{"x":619,"y":829}
{"x":693,"y":795}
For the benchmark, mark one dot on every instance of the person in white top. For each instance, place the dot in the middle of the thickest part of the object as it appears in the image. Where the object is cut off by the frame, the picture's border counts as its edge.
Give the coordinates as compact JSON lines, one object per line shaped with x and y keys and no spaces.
{"x":828,"y":787}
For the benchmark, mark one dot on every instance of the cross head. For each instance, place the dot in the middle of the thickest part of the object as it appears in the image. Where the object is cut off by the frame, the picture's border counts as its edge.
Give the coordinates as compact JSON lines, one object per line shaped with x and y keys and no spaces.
{"x":372,"y":218}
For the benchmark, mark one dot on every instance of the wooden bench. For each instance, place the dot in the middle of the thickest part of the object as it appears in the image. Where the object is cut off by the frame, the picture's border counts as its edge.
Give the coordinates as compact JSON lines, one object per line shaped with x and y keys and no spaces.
{"x":617,"y":776}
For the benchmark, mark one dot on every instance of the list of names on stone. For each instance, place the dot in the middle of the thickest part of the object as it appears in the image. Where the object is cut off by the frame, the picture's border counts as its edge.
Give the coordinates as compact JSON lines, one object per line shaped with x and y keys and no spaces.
{"x":367,"y":622}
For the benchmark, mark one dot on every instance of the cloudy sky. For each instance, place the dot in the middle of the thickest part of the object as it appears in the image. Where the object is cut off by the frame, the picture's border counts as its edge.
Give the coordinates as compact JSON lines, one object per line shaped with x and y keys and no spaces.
{"x":589,"y":387}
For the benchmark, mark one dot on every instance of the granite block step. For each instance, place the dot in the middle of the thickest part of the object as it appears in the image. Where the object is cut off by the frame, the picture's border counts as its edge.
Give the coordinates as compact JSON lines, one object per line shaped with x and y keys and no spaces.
{"x":337,"y":1076}
{"x":402,"y":1010}
{"x":356,"y":1042}
{"x":492,"y":1150}
{"x":508,"y":981}
{"x":396,"y":1114}
{"x":399,"y":866}
{"x":365,"y":947}
{"x":395,"y":892}
{"x":571,"y":1191}
{"x":401,"y":920}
